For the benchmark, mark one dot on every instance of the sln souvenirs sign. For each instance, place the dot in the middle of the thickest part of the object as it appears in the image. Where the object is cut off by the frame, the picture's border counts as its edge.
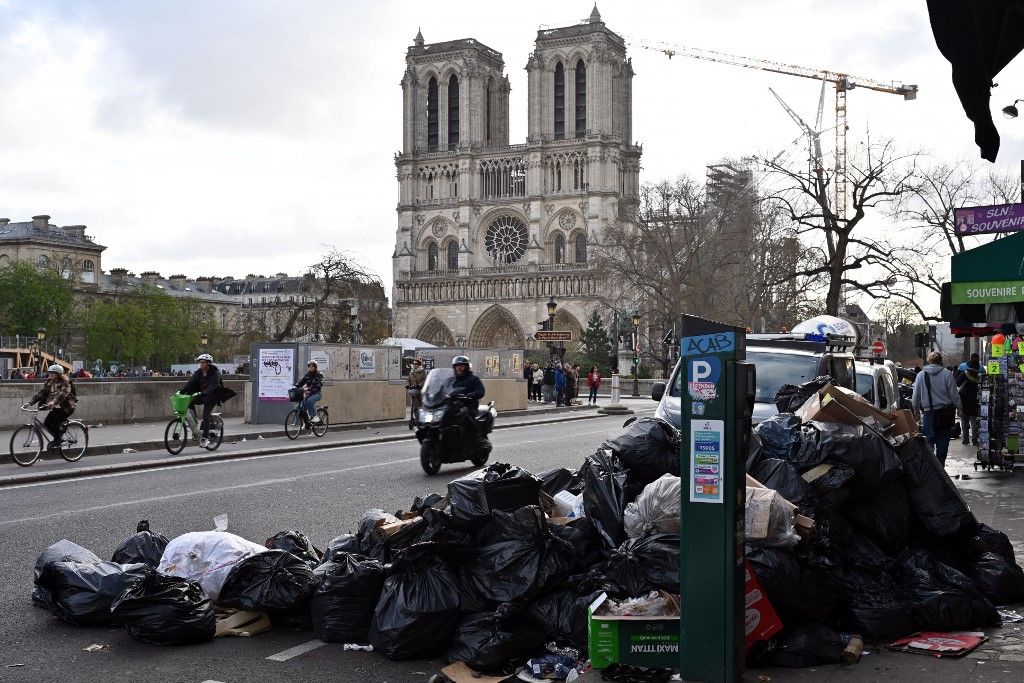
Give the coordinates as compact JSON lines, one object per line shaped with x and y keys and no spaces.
{"x":1000,"y":292}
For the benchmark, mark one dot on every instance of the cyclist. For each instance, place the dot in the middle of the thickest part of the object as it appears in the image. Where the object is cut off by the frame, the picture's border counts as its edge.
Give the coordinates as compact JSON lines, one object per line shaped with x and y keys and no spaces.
{"x":312,"y":384}
{"x":58,"y":394}
{"x":206,"y":381}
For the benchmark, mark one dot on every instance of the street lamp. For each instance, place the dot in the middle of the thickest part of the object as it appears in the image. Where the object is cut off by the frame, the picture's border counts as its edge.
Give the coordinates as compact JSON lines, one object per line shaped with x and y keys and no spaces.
{"x":40,"y":338}
{"x":636,"y":354}
{"x":1011,"y":111}
{"x":552,"y":307}
{"x":204,"y":339}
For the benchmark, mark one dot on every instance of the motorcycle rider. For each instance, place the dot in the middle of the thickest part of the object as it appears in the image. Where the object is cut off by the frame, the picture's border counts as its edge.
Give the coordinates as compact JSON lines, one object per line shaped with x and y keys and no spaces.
{"x":470,"y":388}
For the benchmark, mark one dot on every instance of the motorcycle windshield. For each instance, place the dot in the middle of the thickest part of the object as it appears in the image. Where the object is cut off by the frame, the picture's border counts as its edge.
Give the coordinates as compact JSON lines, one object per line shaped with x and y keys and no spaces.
{"x":437,"y":385}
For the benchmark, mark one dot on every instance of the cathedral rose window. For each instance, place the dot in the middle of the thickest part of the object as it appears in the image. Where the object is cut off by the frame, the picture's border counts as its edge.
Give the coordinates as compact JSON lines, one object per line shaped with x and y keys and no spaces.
{"x":506,"y":240}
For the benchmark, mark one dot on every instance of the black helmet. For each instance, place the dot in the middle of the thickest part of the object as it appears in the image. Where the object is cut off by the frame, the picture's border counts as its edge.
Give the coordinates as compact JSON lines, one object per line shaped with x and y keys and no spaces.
{"x":461,"y":360}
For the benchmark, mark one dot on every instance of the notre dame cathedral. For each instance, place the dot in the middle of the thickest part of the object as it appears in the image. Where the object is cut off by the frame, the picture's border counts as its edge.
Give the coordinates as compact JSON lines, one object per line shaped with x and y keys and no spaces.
{"x":489,"y":231}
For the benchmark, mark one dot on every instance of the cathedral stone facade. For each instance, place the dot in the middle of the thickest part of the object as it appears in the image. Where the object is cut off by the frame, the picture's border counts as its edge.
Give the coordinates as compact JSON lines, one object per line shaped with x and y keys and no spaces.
{"x":489,"y":231}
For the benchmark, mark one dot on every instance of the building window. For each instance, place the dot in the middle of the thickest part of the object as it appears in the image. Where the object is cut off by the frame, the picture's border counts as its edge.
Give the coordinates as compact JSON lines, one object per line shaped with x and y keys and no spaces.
{"x":432,"y":115}
{"x":559,"y":249}
{"x":43,"y":261}
{"x":581,"y":99}
{"x":581,"y":248}
{"x":88,"y":271}
{"x":453,"y":112}
{"x":490,"y":84}
{"x":559,"y":102}
{"x":432,"y":257}
{"x":65,"y":268}
{"x":453,"y":255}
{"x":506,"y":240}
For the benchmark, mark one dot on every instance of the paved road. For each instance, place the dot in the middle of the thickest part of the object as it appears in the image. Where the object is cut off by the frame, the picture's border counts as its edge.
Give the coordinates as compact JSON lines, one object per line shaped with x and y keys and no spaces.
{"x":321,"y":493}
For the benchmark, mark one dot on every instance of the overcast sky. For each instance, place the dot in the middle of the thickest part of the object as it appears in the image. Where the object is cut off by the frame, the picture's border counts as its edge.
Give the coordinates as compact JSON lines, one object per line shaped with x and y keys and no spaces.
{"x":236,"y":137}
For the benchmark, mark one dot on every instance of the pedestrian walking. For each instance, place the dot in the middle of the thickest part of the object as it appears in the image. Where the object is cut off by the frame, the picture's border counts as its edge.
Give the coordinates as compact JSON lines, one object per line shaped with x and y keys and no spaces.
{"x":576,"y":384}
{"x":549,"y":383}
{"x":417,"y":376}
{"x":936,"y":395}
{"x":538,"y":382}
{"x":560,"y":381}
{"x":528,"y":376}
{"x":594,"y":383}
{"x":969,"y":379}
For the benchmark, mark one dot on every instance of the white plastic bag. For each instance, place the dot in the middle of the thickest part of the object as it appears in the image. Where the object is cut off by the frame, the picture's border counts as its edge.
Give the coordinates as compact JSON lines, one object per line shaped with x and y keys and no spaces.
{"x":656,"y":509}
{"x":769,"y":519}
{"x":207,"y":557}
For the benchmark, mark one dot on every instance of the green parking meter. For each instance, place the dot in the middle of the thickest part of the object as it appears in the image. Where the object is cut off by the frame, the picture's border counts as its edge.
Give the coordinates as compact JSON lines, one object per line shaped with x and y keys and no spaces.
{"x":717,"y":404}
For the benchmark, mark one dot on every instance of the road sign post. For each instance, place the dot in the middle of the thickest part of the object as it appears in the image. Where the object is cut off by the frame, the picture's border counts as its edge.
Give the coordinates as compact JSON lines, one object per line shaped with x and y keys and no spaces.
{"x":717,"y":403}
{"x":878,"y":349}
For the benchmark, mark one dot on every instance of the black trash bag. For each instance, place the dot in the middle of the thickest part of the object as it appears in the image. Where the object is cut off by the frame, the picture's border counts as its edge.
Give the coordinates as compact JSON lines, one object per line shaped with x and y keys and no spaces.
{"x":822,"y":588}
{"x":780,"y":436}
{"x":497,"y":641}
{"x":864,"y":554}
{"x":418,"y":609}
{"x":884,"y":516}
{"x":496,"y":487}
{"x":989,"y":540}
{"x":644,"y":564}
{"x":368,"y":545}
{"x":272,"y":580}
{"x":144,"y":546}
{"x":755,"y":453}
{"x":166,"y":610}
{"x":294,"y":618}
{"x":61,"y":551}
{"x":419,"y":505}
{"x":780,"y":576}
{"x":831,"y":536}
{"x":385,"y":549}
{"x":459,"y":542}
{"x":556,"y":481}
{"x":808,"y":453}
{"x":831,"y":488}
{"x":870,"y":455}
{"x":934,"y":499}
{"x":523,"y":559}
{"x":562,"y":615}
{"x":790,"y":397}
{"x":940,"y":597}
{"x":804,"y":645}
{"x":347,"y":593}
{"x":298,"y":545}
{"x":1000,"y":581}
{"x":342,"y":545}
{"x":81,"y":594}
{"x":582,"y":537}
{"x":876,"y":607}
{"x":607,"y":489}
{"x":781,"y":476}
{"x":648,"y":448}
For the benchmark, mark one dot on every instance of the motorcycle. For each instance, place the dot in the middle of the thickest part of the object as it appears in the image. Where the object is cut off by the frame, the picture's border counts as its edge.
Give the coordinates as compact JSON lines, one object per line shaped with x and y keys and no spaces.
{"x":441,"y":425}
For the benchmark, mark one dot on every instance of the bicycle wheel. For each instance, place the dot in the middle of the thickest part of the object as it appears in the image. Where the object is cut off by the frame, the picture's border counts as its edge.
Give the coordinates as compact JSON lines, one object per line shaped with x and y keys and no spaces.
{"x":74,"y":441}
{"x":293,"y":424}
{"x":215,"y":431}
{"x":26,"y":445}
{"x":321,"y":428}
{"x":176,"y":436}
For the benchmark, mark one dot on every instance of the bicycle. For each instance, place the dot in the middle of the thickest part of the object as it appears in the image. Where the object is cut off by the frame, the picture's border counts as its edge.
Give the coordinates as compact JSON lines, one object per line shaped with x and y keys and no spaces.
{"x":297,"y":420}
{"x":176,"y":434}
{"x":27,"y":441}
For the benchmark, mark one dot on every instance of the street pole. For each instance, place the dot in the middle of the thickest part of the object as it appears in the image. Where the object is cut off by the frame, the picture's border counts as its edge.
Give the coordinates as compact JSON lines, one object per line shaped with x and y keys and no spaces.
{"x":615,"y":407}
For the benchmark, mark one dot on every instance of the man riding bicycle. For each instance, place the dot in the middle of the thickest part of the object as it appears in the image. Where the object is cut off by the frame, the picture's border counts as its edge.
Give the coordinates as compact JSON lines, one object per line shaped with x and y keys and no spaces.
{"x":207,"y":382}
{"x":312,"y":383}
{"x":57,"y":394}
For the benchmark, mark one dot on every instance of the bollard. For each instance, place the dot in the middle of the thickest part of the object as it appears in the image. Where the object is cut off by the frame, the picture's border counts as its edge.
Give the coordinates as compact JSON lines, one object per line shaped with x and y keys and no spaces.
{"x":615,"y":407}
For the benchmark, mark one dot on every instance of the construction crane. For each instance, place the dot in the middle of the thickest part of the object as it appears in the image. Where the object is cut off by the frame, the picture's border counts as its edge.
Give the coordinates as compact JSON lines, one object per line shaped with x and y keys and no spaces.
{"x":843,"y":84}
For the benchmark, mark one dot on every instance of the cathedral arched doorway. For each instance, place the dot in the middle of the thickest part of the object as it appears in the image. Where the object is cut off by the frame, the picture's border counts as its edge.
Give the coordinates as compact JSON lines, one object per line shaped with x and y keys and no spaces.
{"x":435,"y":332}
{"x":497,"y":328}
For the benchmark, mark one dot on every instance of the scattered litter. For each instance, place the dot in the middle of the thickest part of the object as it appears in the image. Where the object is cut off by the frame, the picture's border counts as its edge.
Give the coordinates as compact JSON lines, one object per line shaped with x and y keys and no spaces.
{"x":220,"y":523}
{"x":129,"y":450}
{"x":96,"y":426}
{"x":650,"y":605}
{"x":551,"y":666}
{"x":356,"y":646}
{"x":96,"y":647}
{"x":1010,"y":617}
{"x":12,"y":666}
{"x":951,"y":644}
{"x":241,"y":623}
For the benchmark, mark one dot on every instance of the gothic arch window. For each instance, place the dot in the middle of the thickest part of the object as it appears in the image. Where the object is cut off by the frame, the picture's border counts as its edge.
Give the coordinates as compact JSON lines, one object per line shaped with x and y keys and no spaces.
{"x":432,"y":256}
{"x":580,"y":247}
{"x":559,"y":248}
{"x":43,"y":261}
{"x":65,"y":268}
{"x":453,"y":112}
{"x":432,"y":115}
{"x":581,"y":99}
{"x":452,"y":254}
{"x":559,"y":102}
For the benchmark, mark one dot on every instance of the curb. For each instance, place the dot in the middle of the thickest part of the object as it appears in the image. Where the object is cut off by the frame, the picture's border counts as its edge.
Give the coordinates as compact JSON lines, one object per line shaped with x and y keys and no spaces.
{"x":291,"y":448}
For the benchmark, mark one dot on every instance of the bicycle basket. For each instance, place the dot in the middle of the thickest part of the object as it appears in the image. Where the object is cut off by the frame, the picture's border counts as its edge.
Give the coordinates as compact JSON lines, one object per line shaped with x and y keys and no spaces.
{"x":180,"y":403}
{"x":295,"y":394}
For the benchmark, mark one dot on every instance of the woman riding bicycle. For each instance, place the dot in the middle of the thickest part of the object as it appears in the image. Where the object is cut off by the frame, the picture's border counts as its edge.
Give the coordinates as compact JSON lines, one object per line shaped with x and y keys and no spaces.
{"x":57,"y":394}
{"x":312,"y":383}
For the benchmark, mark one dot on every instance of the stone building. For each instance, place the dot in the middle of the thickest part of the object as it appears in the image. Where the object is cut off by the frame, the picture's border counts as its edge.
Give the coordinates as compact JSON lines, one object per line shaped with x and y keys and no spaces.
{"x":67,"y":249}
{"x":488,"y":231}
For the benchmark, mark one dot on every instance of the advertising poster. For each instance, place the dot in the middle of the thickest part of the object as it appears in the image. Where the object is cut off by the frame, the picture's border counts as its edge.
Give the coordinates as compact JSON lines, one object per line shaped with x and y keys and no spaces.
{"x":517,"y":365}
{"x":706,"y":461}
{"x":276,"y":371}
{"x":493,"y":366}
{"x":322,"y":360}
{"x":367,"y":363}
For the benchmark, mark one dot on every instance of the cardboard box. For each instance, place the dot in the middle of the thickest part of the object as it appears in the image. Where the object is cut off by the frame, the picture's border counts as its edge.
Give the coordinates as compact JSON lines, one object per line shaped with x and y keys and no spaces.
{"x":836,"y":404}
{"x":637,"y":641}
{"x":760,"y":620}
{"x":904,"y":423}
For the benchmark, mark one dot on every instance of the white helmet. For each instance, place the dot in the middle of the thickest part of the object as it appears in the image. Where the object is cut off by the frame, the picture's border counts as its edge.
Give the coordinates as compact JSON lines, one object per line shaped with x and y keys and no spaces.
{"x":59,"y":369}
{"x":204,"y":356}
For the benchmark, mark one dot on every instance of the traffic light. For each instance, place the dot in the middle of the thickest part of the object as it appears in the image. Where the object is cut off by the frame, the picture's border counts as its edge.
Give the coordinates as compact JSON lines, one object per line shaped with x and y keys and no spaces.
{"x":920,"y":340}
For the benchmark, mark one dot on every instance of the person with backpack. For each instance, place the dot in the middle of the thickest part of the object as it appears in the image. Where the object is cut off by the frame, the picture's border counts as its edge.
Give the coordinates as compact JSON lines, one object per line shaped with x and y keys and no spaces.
{"x":969,"y":380}
{"x":561,"y":381}
{"x":59,"y":395}
{"x":936,"y":396}
{"x":549,"y":382}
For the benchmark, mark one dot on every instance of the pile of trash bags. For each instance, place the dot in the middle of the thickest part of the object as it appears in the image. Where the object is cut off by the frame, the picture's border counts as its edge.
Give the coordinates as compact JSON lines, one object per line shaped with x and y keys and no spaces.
{"x":491,"y":573}
{"x":890,"y":548}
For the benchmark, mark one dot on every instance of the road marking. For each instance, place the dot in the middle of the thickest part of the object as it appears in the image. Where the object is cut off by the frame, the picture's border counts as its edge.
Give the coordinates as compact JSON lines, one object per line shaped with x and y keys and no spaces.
{"x":297,"y":650}
{"x":212,"y":681}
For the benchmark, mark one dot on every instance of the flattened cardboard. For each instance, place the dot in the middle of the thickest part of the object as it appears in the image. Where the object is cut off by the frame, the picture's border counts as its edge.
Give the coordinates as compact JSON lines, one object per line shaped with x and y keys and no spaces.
{"x":459,"y":672}
{"x":836,"y":404}
{"x":904,"y":423}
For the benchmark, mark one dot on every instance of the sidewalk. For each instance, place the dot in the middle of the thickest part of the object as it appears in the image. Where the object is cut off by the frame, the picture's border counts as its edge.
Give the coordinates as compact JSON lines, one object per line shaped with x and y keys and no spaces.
{"x":124,"y":447}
